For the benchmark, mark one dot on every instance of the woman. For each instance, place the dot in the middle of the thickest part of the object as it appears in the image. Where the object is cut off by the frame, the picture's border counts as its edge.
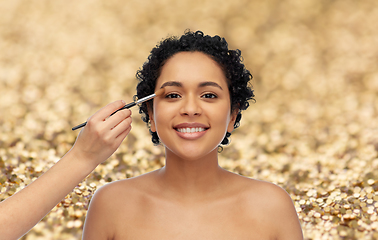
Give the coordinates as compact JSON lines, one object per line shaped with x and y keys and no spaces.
{"x":192,"y":197}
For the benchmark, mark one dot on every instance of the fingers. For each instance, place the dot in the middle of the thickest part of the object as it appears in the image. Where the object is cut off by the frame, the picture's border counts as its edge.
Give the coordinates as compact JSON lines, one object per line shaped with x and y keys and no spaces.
{"x":122,"y":127}
{"x":106,"y":111}
{"x":117,"y":134}
{"x":105,"y":115}
{"x":108,"y":127}
{"x":118,"y":117}
{"x":123,"y":135}
{"x":103,"y":134}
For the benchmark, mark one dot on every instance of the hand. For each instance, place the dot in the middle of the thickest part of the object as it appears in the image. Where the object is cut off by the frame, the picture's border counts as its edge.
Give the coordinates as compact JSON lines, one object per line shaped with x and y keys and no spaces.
{"x":102,"y":135}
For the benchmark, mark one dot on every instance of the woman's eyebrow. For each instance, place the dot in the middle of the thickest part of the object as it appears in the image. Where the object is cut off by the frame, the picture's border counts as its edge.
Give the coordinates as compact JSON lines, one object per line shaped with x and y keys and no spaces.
{"x":172,"y":83}
{"x":202,"y":84}
{"x":214,"y":84}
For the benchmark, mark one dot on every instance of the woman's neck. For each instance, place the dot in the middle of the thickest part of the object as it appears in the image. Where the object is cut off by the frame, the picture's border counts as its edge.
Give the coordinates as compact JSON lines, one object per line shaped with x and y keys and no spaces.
{"x":192,"y":179}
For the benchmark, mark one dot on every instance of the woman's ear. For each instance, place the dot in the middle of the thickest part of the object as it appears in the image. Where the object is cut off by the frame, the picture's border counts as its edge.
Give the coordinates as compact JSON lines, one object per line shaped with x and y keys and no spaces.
{"x":151,"y":116}
{"x":233,"y":117}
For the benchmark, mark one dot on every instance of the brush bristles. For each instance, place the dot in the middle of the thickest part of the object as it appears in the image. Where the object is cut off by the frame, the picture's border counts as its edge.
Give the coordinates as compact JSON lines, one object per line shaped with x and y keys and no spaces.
{"x":159,"y":92}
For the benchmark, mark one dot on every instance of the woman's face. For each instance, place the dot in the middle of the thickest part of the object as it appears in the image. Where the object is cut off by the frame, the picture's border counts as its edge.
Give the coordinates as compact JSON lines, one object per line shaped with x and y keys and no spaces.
{"x":193,"y":116}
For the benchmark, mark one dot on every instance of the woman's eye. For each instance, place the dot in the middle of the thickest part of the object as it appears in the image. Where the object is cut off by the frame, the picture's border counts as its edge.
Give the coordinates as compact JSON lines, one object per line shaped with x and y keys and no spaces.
{"x":172,"y":95}
{"x":209,"y":95}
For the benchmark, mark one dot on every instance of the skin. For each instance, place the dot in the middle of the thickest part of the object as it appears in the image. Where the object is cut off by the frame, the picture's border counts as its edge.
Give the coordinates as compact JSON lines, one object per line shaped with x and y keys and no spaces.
{"x":94,"y":144}
{"x":191,"y":197}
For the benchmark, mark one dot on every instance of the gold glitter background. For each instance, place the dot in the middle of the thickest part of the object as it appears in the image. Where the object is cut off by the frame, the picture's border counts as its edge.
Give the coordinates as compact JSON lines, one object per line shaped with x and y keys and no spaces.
{"x":313,"y":129}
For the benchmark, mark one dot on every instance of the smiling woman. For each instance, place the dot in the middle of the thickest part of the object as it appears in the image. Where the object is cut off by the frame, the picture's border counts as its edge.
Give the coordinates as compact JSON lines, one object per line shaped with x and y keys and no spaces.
{"x":236,"y":75}
{"x":206,"y":86}
{"x":201,"y":100}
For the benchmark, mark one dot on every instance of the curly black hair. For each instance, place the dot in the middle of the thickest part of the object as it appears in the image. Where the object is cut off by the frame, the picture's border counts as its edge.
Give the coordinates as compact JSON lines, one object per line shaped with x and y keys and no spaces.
{"x":217,"y":48}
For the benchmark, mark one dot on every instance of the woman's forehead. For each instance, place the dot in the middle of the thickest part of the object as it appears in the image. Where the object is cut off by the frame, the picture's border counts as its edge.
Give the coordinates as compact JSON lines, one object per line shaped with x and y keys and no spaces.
{"x":191,"y":67}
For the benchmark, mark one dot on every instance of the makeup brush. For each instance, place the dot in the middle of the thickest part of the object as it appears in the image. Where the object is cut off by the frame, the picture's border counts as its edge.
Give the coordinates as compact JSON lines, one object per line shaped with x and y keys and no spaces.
{"x":132,"y":104}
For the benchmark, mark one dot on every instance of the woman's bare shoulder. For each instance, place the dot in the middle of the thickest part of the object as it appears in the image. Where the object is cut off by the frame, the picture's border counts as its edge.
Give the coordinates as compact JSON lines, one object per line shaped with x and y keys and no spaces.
{"x":266,"y":191}
{"x":119,"y":196}
{"x":254,"y":187}
{"x":272,"y":204}
{"x":268,"y":196}
{"x":125,"y":188}
{"x":112,"y":205}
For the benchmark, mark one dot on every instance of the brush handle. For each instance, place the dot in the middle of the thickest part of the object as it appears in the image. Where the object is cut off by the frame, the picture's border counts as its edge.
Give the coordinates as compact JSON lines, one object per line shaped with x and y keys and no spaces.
{"x":132,"y":104}
{"x":79,"y":126}
{"x":129,"y":105}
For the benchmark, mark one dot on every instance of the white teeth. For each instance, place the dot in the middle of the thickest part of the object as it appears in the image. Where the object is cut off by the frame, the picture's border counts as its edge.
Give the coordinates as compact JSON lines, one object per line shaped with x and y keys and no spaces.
{"x":190,"y":130}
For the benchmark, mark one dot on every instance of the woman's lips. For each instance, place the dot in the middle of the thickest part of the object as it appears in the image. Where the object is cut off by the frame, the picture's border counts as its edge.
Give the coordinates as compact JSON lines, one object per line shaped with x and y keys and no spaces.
{"x":189,"y":134}
{"x":191,"y":131}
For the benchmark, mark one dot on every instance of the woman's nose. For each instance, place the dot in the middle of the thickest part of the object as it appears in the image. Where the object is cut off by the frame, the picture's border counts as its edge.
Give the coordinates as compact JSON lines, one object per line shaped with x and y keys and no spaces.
{"x":191,"y":106}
